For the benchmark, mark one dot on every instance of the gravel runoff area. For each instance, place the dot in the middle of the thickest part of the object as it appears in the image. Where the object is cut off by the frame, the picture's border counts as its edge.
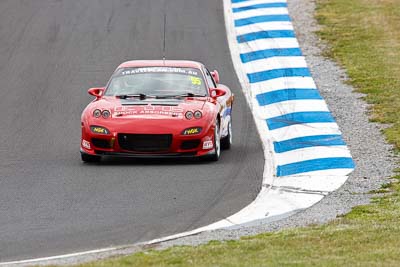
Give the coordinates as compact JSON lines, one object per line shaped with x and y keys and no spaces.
{"x":373,"y":156}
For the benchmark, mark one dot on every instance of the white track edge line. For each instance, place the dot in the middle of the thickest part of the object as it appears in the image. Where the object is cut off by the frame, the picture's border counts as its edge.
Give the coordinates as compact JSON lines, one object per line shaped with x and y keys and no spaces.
{"x":61,"y":256}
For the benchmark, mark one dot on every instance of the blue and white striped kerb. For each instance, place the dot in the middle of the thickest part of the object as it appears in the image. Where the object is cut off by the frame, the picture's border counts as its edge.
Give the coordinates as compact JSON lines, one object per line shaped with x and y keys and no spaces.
{"x":305,"y":137}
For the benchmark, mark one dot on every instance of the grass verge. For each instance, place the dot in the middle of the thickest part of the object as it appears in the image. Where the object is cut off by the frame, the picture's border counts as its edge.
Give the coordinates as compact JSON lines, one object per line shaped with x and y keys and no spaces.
{"x":364,"y":36}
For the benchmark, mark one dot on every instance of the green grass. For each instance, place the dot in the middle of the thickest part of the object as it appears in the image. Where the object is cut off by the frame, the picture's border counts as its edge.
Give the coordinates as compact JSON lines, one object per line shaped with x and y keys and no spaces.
{"x":364,"y":36}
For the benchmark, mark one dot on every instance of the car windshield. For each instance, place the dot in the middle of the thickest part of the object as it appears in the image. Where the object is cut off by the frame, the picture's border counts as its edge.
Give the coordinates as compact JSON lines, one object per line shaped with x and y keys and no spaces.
{"x":157,"y":81}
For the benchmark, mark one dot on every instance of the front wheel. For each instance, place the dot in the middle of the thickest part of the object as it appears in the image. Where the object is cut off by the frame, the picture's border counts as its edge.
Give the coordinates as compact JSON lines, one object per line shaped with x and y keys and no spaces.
{"x":227,"y":141}
{"x":217,"y":144}
{"x":90,"y":158}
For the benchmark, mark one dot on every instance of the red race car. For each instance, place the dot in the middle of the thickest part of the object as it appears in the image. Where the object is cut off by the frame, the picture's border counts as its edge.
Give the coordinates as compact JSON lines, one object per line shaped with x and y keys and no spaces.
{"x":158,"y":108}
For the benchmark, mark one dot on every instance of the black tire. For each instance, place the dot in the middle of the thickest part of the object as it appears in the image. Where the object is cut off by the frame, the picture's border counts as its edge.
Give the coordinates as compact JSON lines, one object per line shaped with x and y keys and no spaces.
{"x":226,"y":142}
{"x":217,"y":144}
{"x":90,"y":158}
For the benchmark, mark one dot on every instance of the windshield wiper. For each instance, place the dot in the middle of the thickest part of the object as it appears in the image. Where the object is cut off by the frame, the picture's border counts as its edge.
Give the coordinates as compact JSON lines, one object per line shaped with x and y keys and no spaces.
{"x":140,"y":96}
{"x":181,"y":95}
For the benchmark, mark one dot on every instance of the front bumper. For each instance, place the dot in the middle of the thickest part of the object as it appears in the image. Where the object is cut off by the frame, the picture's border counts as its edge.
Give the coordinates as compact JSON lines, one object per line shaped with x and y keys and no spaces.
{"x":180,"y":146}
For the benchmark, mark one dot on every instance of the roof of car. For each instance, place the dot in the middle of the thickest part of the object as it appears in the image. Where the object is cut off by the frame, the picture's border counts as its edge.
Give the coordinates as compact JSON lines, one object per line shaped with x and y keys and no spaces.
{"x":159,"y":63}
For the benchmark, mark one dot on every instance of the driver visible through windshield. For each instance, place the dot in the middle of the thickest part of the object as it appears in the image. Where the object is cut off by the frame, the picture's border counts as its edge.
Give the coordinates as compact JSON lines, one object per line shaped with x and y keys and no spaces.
{"x":157,"y":82}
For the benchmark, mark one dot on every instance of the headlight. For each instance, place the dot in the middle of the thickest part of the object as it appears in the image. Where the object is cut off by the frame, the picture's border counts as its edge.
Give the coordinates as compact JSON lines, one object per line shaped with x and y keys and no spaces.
{"x":198,"y":114}
{"x":99,"y":130}
{"x":189,"y":115}
{"x":106,"y":114}
{"x":97,"y":113}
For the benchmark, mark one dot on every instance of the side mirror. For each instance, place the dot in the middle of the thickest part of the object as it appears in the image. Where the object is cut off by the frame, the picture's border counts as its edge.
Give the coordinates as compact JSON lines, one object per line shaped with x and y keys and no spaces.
{"x":215,"y":76}
{"x":215,"y":93}
{"x":97,"y":92}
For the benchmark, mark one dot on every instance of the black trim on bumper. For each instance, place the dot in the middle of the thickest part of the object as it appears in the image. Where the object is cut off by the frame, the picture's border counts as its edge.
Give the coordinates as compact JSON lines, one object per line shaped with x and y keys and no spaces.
{"x":141,"y":155}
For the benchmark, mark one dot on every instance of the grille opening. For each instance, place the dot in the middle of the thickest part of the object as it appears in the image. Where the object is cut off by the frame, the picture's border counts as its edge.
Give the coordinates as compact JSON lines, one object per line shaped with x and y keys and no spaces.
{"x":190,"y":144}
{"x":145,"y":142}
{"x":101,"y":143}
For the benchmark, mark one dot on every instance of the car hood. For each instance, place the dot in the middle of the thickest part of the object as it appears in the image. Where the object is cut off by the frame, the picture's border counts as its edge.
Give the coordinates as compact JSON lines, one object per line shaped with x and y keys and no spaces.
{"x":150,"y":108}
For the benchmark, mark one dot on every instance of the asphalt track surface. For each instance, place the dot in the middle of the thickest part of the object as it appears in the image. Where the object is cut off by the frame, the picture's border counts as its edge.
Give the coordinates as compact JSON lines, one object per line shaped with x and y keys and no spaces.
{"x":51,"y":203}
